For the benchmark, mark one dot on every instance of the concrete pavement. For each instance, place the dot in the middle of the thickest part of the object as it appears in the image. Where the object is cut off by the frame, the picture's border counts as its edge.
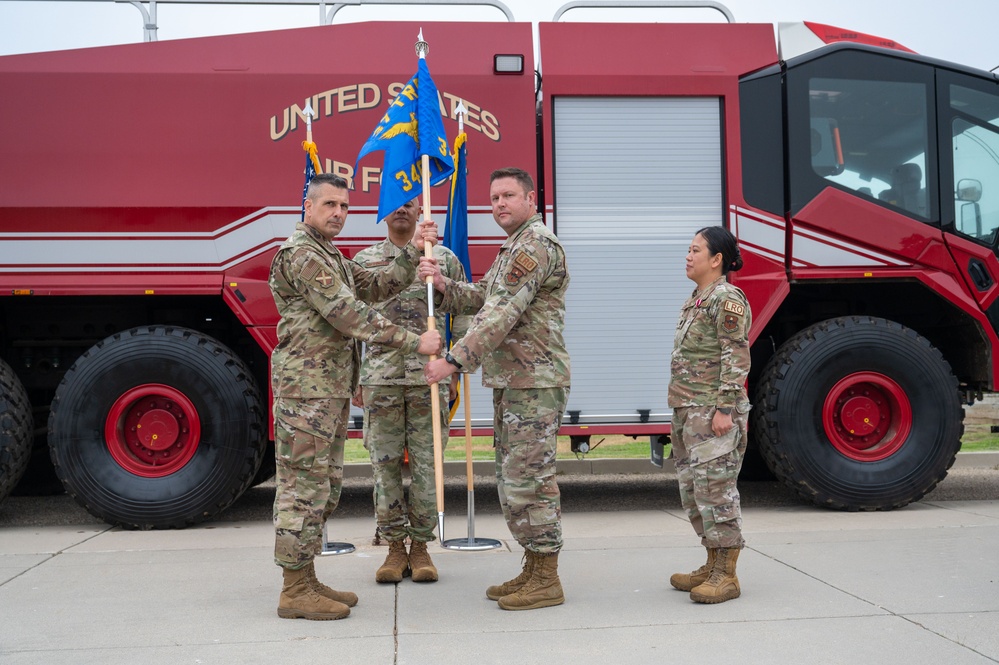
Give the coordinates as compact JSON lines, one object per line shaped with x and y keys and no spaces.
{"x":917,"y":585}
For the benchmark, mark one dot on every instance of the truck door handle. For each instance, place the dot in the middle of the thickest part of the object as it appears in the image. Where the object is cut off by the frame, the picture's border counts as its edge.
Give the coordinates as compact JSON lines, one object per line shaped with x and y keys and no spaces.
{"x":979,"y":274}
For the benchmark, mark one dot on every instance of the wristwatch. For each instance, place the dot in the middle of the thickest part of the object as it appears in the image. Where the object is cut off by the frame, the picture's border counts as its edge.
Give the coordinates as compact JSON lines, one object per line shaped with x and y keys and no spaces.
{"x":724,"y":410}
{"x":448,"y":357}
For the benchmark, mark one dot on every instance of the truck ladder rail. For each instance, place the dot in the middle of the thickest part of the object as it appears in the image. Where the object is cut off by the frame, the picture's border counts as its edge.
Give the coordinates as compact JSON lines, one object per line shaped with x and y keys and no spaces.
{"x":149,"y":26}
{"x":650,"y":4}
{"x":340,"y":5}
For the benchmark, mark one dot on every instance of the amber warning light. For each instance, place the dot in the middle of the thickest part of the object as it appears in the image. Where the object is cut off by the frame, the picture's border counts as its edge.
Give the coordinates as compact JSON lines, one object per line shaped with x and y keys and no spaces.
{"x":22,"y":292}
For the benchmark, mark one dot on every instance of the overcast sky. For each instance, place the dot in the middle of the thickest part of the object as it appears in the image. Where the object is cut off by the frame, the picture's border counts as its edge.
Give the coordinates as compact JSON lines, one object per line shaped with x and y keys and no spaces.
{"x":962,"y":31}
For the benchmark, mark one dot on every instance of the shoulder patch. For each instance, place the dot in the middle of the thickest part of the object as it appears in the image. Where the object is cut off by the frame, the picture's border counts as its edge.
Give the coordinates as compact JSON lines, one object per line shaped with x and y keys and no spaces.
{"x":310,"y":270}
{"x":521,"y":266}
{"x":315,"y":272}
{"x":734,"y":308}
{"x":524,"y":260}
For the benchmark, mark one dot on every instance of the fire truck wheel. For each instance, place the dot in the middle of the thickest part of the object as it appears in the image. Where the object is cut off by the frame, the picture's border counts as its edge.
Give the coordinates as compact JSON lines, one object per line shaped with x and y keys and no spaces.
{"x":157,"y":427}
{"x":859,"y":413}
{"x":268,"y":467}
{"x":16,"y":429}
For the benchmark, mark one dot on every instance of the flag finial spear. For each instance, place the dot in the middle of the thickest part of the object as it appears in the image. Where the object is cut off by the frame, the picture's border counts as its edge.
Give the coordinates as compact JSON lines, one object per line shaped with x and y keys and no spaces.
{"x":309,"y":114}
{"x":460,"y":113}
{"x":422,"y":47}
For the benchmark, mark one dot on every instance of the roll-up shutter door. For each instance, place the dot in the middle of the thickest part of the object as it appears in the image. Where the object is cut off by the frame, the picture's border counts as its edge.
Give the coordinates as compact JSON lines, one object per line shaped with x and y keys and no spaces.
{"x":635,"y":177}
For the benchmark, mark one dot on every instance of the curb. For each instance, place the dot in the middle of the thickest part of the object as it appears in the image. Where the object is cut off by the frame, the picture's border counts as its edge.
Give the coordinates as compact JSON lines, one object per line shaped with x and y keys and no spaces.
{"x":599,"y":466}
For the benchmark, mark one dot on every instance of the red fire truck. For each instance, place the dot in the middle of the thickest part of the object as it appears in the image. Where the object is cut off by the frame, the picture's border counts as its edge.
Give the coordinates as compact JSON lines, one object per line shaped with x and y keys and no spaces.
{"x":145,"y":188}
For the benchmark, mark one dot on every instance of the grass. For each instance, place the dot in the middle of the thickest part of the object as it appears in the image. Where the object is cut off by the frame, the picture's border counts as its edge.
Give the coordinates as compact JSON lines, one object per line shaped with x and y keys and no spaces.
{"x":482,"y":449}
{"x":977,"y":438}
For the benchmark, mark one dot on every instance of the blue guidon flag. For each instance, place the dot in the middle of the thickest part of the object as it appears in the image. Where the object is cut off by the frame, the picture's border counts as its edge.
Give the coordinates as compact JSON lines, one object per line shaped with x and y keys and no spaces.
{"x":456,"y":225}
{"x":413,"y":127}
{"x":456,"y":238}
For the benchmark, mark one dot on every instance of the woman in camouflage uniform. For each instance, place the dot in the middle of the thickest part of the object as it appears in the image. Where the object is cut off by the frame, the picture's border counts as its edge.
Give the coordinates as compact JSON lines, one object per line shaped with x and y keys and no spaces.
{"x":707,"y":392}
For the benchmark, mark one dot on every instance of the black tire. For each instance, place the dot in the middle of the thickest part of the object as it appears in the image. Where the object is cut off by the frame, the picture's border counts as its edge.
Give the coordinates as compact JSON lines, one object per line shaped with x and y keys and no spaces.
{"x":157,"y":427}
{"x":754,"y":466}
{"x":39,"y":478}
{"x":16,"y":427}
{"x":268,"y":467}
{"x":859,"y":413}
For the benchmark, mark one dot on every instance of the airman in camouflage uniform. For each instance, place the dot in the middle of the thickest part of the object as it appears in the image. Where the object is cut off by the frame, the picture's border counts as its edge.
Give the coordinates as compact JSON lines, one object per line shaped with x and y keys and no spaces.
{"x":707,"y":390}
{"x":517,"y":339}
{"x":314,"y":371}
{"x":397,"y":412}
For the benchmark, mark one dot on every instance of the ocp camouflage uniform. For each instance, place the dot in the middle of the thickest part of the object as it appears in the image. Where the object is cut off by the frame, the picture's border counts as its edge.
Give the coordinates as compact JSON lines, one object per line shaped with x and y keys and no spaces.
{"x":397,"y":406}
{"x":320,"y":296}
{"x":710,"y":363}
{"x":516,"y":337}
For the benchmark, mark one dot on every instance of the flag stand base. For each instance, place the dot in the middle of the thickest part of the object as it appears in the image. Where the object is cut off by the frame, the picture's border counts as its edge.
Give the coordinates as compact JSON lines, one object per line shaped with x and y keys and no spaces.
{"x":334,"y":548}
{"x":471,"y":544}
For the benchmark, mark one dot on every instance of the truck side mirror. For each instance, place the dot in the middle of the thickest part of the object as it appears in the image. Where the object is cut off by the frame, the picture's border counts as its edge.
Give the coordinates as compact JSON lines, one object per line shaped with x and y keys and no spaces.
{"x":969,"y":221}
{"x":969,"y":189}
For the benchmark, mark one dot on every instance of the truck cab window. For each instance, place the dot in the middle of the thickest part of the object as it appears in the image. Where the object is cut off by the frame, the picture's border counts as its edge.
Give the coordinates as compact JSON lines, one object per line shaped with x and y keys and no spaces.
{"x":870,"y":137}
{"x":860,"y":122}
{"x":975,"y":132}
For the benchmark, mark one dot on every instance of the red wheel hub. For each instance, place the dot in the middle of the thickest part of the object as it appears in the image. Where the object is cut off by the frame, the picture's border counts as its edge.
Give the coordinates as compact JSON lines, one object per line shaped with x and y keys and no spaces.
{"x":867,"y":416}
{"x":152,"y":430}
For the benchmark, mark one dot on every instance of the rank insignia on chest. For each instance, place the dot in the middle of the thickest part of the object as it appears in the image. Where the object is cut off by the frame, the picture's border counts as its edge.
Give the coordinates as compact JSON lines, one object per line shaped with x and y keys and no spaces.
{"x":730,"y":323}
{"x":522,"y":265}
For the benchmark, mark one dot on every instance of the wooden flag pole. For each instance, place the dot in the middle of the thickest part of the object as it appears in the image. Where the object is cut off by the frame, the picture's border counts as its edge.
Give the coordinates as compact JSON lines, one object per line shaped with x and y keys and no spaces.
{"x":328,"y":547}
{"x":471,"y":543}
{"x":435,"y":398}
{"x":422,"y":48}
{"x":468,"y":433}
{"x":308,"y":120}
{"x":309,"y":114}
{"x":460,"y":112}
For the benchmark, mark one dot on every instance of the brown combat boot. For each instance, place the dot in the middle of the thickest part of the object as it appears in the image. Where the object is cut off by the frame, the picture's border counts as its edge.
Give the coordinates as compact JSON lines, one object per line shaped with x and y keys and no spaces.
{"x":396,"y":564}
{"x":687,"y":581}
{"x":544,"y":589}
{"x":300,"y":601}
{"x":505,"y":589}
{"x":346,"y":597}
{"x":722,"y":584}
{"x":422,"y":566}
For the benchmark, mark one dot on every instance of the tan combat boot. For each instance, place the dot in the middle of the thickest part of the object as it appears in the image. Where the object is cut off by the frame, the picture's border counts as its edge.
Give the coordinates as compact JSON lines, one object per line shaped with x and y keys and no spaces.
{"x":498,"y":591}
{"x":687,"y":581}
{"x":300,"y":601}
{"x":422,"y":566}
{"x":722,"y":584}
{"x":346,"y":597}
{"x":396,"y":564}
{"x":543,"y":589}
